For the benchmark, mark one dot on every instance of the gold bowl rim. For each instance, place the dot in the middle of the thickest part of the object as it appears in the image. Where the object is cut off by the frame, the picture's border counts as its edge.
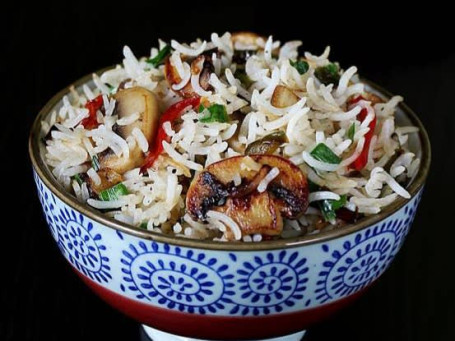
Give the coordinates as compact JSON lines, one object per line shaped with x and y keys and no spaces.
{"x":57,"y":189}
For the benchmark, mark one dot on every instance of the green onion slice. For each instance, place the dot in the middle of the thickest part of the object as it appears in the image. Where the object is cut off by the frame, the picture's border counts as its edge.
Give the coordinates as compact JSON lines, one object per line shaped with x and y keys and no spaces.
{"x":328,"y":207}
{"x":351,"y":132}
{"x":160,"y":57}
{"x":78,"y":179}
{"x":323,"y":153}
{"x":95,"y":163}
{"x":113,"y":193}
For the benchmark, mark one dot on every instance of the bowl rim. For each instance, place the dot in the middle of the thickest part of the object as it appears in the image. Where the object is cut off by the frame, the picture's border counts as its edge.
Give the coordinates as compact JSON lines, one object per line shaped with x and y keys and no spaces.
{"x":57,"y":189}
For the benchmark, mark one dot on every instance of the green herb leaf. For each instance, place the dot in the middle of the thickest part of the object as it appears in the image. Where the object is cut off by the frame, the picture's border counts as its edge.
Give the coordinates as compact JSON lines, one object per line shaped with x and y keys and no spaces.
{"x":328,"y":74}
{"x":95,"y":163}
{"x":217,"y":113}
{"x":201,"y":108}
{"x":300,"y":65}
{"x":351,"y":132}
{"x":328,"y":207}
{"x":160,"y":57}
{"x":78,"y":179}
{"x":337,"y":204}
{"x":313,"y":187}
{"x":113,"y":193}
{"x":241,"y":75}
{"x":143,"y":225}
{"x":323,"y":153}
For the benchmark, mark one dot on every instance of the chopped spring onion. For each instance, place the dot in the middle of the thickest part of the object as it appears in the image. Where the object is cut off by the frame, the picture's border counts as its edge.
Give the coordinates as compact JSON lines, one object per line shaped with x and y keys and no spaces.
{"x":160,"y":57}
{"x":351,"y":132}
{"x":300,"y":65}
{"x":328,"y":74}
{"x":95,"y":163}
{"x":78,"y":179}
{"x":112,"y":89}
{"x":328,"y":208}
{"x":216,"y":113}
{"x":143,"y":225}
{"x":113,"y":193}
{"x":323,"y":153}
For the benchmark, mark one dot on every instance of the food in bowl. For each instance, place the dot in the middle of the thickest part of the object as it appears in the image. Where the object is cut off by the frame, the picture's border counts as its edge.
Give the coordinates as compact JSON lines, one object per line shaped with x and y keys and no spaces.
{"x":238,"y":138}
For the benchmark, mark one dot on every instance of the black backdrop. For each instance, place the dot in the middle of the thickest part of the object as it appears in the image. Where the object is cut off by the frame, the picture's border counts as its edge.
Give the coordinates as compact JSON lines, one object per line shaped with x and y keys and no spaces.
{"x":46,"y":47}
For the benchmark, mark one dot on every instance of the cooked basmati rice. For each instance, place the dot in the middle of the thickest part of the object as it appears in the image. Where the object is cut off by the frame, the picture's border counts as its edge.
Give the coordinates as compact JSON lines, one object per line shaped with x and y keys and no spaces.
{"x":267,"y":179}
{"x":321,"y":114}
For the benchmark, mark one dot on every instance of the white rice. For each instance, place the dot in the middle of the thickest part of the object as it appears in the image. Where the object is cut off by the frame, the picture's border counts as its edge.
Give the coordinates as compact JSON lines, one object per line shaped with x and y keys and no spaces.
{"x":229,"y":222}
{"x":141,"y":139}
{"x":124,"y":121}
{"x":94,"y":176}
{"x":105,"y":205}
{"x":188,"y":51}
{"x":323,"y":195}
{"x":322,"y":114}
{"x":323,"y":166}
{"x":272,"y":174}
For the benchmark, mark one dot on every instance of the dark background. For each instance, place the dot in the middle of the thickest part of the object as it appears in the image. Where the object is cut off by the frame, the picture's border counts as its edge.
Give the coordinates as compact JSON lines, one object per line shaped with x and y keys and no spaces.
{"x":45,"y":48}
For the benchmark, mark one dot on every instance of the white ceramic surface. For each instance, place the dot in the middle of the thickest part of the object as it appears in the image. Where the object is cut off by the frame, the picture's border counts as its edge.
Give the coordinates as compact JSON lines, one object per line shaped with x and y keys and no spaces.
{"x":158,"y":335}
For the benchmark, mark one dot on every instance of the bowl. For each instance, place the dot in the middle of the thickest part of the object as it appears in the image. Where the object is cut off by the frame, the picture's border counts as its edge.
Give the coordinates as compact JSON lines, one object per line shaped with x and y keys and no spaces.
{"x":181,"y":288}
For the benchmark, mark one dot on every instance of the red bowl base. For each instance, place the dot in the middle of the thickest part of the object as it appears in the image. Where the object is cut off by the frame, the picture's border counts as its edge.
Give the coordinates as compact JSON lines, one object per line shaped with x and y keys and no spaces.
{"x":219,"y":327}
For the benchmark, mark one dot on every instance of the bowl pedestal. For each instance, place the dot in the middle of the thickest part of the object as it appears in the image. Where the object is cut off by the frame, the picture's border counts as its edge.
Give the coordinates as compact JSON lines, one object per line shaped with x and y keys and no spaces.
{"x":158,"y":335}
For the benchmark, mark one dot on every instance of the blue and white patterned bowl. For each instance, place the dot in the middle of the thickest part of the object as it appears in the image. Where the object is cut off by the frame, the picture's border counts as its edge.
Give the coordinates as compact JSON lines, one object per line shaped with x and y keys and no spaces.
{"x":212,"y":290}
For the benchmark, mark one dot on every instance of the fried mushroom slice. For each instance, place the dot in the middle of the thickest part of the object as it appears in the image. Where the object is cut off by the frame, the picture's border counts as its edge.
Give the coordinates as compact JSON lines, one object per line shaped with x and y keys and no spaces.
{"x":201,"y":65}
{"x":132,"y":101}
{"x":254,"y":212}
{"x":283,"y":97}
{"x":108,"y":178}
{"x":245,"y":40}
{"x":142,"y":101}
{"x":374,"y":99}
{"x":121,"y":164}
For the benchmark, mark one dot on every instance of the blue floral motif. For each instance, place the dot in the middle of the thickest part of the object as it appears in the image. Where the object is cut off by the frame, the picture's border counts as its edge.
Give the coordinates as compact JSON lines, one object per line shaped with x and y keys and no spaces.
{"x":410,"y":212}
{"x":75,"y":236}
{"x":47,"y":201}
{"x":181,"y":280}
{"x":268,"y":284}
{"x":361,"y":260}
{"x":83,"y":246}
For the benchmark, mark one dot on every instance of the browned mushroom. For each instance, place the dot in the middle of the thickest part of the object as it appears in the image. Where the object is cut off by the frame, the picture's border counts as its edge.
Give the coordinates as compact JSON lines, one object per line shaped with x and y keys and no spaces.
{"x":254,"y":212}
{"x":142,"y":101}
{"x":201,"y":65}
{"x":374,"y":99}
{"x":129,"y":102}
{"x":283,"y":97}
{"x":108,"y":159}
{"x":247,"y":38}
{"x":108,"y":178}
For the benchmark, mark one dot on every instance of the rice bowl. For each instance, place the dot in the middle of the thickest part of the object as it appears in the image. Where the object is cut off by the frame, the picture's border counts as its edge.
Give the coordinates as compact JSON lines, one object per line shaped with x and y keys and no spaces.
{"x":239,"y":96}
